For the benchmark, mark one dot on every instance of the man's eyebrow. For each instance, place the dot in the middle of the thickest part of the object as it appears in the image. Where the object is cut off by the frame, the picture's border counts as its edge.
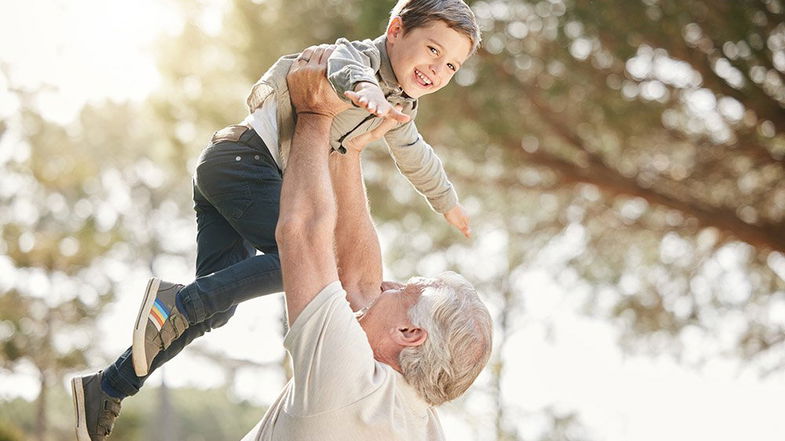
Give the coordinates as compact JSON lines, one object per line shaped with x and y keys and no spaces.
{"x":441,"y":48}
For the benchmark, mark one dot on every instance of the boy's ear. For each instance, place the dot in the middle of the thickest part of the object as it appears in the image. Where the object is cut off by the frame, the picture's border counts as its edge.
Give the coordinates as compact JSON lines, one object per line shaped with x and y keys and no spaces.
{"x":395,"y":28}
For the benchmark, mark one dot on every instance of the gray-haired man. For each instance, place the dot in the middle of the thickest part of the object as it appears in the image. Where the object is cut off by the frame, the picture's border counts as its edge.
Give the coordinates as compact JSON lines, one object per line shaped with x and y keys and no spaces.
{"x":415,"y":345}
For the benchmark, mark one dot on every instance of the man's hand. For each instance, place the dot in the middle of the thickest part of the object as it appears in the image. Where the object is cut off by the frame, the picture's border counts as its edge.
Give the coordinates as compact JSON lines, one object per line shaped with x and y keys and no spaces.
{"x":370,"y":97}
{"x":358,"y":143}
{"x":308,"y":87}
{"x":458,"y":218}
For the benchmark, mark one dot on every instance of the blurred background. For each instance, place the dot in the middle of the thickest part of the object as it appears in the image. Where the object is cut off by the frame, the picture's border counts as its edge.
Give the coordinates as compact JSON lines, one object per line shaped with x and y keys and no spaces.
{"x":622,"y":161}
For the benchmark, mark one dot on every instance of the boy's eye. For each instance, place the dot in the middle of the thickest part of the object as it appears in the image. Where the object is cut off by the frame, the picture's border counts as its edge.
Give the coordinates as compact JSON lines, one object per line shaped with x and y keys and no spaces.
{"x":434,"y":50}
{"x":451,"y":66}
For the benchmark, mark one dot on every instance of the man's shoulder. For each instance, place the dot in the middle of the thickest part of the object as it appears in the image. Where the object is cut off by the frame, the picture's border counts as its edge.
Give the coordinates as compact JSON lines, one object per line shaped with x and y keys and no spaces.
{"x":324,"y":303}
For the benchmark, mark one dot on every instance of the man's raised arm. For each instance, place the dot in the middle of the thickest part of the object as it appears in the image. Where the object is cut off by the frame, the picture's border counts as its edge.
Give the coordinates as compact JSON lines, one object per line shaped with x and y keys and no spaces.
{"x":306,"y":225}
{"x":356,"y":240}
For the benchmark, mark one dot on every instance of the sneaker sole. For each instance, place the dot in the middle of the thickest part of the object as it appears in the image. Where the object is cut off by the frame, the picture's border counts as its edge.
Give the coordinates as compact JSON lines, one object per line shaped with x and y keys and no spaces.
{"x":138,"y":353}
{"x":79,"y":409}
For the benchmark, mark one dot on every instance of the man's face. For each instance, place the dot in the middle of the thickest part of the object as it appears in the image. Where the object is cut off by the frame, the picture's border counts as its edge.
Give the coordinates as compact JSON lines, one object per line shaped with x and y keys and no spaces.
{"x":389,"y":313}
{"x":425,"y":59}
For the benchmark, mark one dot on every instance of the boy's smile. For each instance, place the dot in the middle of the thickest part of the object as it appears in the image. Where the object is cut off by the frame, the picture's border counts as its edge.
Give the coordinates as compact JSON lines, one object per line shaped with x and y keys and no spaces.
{"x":424,"y":59}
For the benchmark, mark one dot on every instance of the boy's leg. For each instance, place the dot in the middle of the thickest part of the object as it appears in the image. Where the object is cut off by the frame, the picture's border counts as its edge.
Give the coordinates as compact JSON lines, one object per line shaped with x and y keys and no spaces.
{"x":97,"y":397}
{"x":239,"y":215}
{"x":119,"y":379}
{"x":250,"y":207}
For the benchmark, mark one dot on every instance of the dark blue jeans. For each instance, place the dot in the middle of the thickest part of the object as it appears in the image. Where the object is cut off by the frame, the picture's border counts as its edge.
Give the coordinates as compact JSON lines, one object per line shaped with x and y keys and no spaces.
{"x":237,"y":187}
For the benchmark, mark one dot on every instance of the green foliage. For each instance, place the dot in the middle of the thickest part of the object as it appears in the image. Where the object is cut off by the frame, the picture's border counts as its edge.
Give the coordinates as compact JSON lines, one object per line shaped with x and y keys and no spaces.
{"x":198,"y":415}
{"x":10,"y":432}
{"x":16,"y":418}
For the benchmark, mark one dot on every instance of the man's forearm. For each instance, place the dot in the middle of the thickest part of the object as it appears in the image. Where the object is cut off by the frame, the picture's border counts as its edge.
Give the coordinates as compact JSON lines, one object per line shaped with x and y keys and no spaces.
{"x":357,"y":243}
{"x":307,"y":191}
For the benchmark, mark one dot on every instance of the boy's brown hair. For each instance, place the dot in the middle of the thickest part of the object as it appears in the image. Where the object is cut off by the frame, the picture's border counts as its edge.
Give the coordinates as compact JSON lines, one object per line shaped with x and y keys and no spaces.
{"x":454,"y":13}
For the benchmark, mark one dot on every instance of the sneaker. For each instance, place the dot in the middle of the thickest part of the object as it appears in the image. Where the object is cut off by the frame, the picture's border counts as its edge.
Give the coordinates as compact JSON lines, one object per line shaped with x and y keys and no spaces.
{"x":95,"y":410}
{"x":158,"y":324}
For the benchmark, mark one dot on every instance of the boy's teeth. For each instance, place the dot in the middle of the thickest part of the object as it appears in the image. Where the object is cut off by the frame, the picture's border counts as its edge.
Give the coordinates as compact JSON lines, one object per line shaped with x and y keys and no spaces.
{"x":422,"y":77}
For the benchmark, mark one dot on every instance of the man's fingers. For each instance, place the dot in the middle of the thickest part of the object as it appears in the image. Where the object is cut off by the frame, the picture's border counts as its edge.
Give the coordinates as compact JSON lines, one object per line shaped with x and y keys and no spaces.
{"x":386,"y":125}
{"x":397,"y":115}
{"x":360,"y":141}
{"x":318,"y":57}
{"x":326,"y":50}
{"x":307,"y":54}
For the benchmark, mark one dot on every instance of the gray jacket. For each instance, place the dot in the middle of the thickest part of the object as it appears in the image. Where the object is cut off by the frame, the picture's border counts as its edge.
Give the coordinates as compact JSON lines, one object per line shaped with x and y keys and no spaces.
{"x":350,"y":63}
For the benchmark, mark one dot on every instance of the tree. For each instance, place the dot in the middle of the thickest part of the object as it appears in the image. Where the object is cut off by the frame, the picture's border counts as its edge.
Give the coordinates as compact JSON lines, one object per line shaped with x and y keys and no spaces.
{"x":66,"y":230}
{"x":654,"y":129}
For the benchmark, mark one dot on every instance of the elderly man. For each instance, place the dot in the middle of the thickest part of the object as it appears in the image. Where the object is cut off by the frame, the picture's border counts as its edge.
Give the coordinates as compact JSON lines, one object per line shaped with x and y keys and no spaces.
{"x":375,"y":375}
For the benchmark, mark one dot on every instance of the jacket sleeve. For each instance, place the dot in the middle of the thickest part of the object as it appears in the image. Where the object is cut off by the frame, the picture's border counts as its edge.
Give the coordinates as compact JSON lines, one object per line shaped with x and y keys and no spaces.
{"x":352,"y":62}
{"x":274,"y":80}
{"x":418,"y":162}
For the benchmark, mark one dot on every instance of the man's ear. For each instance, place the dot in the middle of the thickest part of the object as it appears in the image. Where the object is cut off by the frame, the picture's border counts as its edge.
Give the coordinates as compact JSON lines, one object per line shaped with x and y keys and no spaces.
{"x":395,"y":29}
{"x":410,"y":336}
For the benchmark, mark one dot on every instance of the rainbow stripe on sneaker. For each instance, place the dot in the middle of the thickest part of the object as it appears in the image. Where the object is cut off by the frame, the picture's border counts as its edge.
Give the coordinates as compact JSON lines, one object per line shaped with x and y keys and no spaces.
{"x":158,"y":314}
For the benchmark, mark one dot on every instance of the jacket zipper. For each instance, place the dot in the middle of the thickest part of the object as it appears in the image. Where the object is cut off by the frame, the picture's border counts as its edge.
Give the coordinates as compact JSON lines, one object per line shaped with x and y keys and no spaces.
{"x":341,"y":148}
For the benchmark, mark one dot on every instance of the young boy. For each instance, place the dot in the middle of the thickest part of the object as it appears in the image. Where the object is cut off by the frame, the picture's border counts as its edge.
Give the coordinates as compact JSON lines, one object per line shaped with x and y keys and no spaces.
{"x":426,"y":42}
{"x":238,"y":180}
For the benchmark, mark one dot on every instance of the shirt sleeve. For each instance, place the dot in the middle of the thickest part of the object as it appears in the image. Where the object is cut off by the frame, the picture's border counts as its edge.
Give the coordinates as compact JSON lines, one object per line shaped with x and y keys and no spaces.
{"x":352,"y":62}
{"x":332,"y":362}
{"x":418,"y":162}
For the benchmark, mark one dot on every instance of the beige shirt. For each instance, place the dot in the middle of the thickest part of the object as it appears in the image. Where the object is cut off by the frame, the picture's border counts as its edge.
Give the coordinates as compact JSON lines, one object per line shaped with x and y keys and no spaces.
{"x":352,"y":62}
{"x":338,"y":392}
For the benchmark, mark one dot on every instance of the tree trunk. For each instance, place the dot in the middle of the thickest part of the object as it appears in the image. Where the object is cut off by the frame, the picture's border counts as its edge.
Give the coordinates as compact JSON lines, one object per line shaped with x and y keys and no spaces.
{"x":41,"y":414}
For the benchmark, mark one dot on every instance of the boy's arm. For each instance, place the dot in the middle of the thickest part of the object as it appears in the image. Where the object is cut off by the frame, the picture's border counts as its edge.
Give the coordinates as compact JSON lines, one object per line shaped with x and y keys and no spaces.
{"x":351,"y":69}
{"x":418,"y":162}
{"x":352,"y":63}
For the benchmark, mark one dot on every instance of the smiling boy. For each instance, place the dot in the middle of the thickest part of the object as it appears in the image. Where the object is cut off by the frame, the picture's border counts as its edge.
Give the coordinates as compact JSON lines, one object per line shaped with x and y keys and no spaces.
{"x":425,"y":44}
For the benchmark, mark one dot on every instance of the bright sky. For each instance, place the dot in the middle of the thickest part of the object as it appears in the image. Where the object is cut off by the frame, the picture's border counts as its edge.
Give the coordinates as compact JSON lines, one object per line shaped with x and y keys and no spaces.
{"x":93,"y":49}
{"x":86,"y":49}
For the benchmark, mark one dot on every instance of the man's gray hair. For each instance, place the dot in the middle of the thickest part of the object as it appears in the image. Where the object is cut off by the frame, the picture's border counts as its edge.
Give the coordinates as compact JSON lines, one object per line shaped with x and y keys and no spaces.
{"x":454,"y":13}
{"x":459,"y":340}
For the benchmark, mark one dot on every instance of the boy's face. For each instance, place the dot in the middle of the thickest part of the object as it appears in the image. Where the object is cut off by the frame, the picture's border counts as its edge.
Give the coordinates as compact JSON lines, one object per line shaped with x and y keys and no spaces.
{"x":424,"y":59}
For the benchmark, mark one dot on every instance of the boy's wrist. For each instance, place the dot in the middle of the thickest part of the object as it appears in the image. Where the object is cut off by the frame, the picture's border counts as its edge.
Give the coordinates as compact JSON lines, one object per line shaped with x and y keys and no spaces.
{"x":363,"y":85}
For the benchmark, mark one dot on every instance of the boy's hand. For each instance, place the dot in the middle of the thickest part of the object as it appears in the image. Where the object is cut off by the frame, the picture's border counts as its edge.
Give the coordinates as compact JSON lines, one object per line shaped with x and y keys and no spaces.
{"x":458,"y":218}
{"x":370,"y":97}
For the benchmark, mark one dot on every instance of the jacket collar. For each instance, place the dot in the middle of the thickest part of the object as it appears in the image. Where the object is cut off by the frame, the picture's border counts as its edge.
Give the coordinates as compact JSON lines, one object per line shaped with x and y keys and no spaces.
{"x":386,"y":71}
